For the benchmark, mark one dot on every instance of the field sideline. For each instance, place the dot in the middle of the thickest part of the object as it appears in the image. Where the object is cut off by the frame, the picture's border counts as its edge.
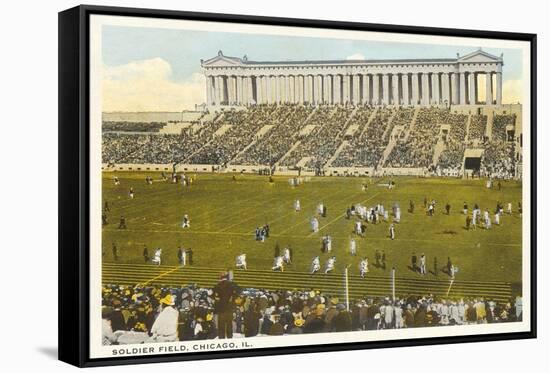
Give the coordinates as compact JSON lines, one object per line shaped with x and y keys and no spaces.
{"x":224,"y":214}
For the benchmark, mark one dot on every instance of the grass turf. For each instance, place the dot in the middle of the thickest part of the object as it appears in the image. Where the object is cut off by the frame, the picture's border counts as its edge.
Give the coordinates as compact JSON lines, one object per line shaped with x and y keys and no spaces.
{"x":224,"y":214}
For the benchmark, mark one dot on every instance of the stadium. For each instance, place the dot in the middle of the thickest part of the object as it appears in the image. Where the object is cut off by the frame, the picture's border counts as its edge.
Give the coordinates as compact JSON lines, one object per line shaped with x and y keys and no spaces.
{"x":421,"y":171}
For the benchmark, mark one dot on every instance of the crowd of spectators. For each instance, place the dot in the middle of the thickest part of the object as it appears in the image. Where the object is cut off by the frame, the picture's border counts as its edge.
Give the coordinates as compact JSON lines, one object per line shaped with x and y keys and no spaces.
{"x":499,"y":160}
{"x":242,"y":142}
{"x":287,"y":123}
{"x":321,"y":143}
{"x":129,"y":312}
{"x":478,"y":127}
{"x":418,"y":148}
{"x":110,"y":126}
{"x":365,"y":148}
{"x":500,"y":122}
{"x":244,"y":125}
{"x":450,"y":160}
{"x":154,"y":148}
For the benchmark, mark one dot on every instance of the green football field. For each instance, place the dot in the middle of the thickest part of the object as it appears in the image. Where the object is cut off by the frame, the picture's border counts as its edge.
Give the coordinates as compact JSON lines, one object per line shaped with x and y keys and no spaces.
{"x":224,"y":214}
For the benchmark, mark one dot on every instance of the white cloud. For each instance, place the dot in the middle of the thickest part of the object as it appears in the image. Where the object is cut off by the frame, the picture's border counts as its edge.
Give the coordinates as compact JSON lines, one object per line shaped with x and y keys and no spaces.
{"x":147,"y":85}
{"x":356,"y":56}
{"x":512,"y":91}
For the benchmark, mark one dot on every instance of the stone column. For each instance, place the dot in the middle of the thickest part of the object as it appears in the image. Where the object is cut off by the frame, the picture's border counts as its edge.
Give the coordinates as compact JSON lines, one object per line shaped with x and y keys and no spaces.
{"x":356,"y":99}
{"x":239,"y":99}
{"x":386,"y":89}
{"x":327,"y":94}
{"x":488,"y":88}
{"x":445,"y":88}
{"x":261,"y":90}
{"x":415,"y":89}
{"x":365,"y":80}
{"x":277,"y":81}
{"x":286,"y":83}
{"x":301,"y":89}
{"x":454,"y":89}
{"x":498,"y":88}
{"x":376,"y":89}
{"x":249,"y":96}
{"x":425,"y":89}
{"x":405,"y":88}
{"x":291,"y":86}
{"x":395,"y":89}
{"x":231,"y":90}
{"x":337,"y":89}
{"x":270,"y":90}
{"x":435,"y":88}
{"x":217,"y":90}
{"x":345,"y":89}
{"x":472,"y":87}
{"x":208,"y":90}
{"x":462,"y":88}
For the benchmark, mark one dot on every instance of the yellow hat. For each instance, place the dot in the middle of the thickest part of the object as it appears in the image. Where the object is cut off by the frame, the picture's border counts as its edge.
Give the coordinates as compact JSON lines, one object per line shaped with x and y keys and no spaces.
{"x":209,"y":317}
{"x":299,"y":322}
{"x":168,"y":300}
{"x":334,"y":301}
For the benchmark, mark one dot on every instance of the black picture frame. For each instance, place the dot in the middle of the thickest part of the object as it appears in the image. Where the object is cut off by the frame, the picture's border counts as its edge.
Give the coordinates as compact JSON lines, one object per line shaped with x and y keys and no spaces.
{"x":74,"y":193}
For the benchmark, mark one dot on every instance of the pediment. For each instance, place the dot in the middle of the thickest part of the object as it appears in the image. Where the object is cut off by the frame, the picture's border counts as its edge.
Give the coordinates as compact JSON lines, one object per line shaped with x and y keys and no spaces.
{"x":222,"y":61}
{"x":479,"y":56}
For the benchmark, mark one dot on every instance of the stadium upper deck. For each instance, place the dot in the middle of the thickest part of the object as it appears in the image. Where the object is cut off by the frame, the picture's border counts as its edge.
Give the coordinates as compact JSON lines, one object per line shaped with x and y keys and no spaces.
{"x":338,"y":138}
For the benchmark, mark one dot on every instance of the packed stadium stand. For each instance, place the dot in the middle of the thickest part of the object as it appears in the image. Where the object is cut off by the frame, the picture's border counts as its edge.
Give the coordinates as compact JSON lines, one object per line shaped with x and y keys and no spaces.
{"x":131,"y":310}
{"x":291,"y":136}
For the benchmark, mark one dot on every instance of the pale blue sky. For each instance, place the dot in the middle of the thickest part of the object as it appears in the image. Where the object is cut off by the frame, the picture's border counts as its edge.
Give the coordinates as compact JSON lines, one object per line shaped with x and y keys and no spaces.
{"x":151,"y":69}
{"x":183,"y":49}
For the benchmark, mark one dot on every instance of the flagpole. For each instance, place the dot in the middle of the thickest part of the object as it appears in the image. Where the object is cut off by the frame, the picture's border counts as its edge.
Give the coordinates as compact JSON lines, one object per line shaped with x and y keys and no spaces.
{"x":347,"y":287}
{"x":393,"y":283}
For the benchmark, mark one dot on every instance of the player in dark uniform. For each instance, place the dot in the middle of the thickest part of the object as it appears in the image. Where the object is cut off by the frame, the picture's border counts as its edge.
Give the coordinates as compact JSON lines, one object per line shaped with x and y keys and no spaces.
{"x":107,"y":208}
{"x":104,"y":219}
{"x":115,"y":251}
{"x":122,"y":224}
{"x":414,"y":261}
{"x":411,"y":206}
{"x":449,"y":265}
{"x":448,"y":208}
{"x":145,"y":254}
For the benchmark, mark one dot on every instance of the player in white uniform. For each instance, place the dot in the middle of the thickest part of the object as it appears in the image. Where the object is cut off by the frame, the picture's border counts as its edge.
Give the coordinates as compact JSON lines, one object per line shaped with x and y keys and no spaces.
{"x":156,"y":259}
{"x":186,"y":222}
{"x":364,"y":267}
{"x":320,"y":209}
{"x":286,"y":256}
{"x":509,"y":208}
{"x":329,"y":244}
{"x":314,"y":225}
{"x":278,"y":264}
{"x":315,"y":265}
{"x":297,"y":206}
{"x":398,"y":214}
{"x":497,"y":218}
{"x":423,"y":264}
{"x":329,"y":267}
{"x":241,"y":261}
{"x":358,"y":228}
{"x":487,"y":219}
{"x":392,"y":231}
